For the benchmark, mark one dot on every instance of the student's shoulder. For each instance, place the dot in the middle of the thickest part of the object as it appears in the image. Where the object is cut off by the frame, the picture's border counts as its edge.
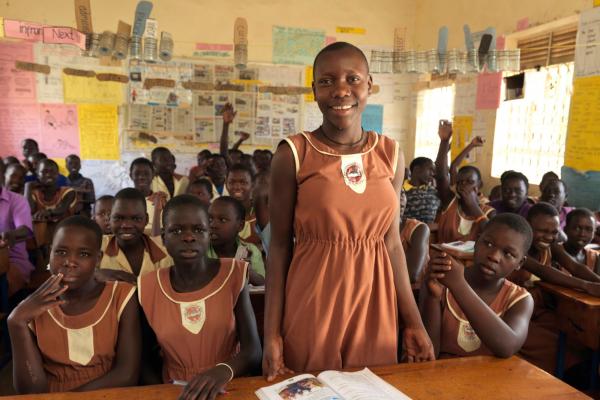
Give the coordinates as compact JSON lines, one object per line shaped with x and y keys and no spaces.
{"x":513,"y":293}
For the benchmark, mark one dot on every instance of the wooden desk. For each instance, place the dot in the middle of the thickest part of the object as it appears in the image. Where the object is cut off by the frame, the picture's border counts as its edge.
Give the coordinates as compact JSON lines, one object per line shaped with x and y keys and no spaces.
{"x":579,"y":318}
{"x":460,"y":378}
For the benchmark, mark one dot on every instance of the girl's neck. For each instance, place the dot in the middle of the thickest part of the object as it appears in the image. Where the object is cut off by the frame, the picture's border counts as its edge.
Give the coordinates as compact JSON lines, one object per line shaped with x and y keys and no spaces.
{"x":226,"y":250}
{"x":191,"y":276}
{"x":349,"y":137}
{"x":84,"y":292}
{"x":573,"y":249}
{"x":49,"y":191}
{"x":146,"y":192}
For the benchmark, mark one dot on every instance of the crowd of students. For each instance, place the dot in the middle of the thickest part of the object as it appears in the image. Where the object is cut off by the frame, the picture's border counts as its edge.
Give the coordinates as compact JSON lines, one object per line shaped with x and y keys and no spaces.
{"x":152,"y":284}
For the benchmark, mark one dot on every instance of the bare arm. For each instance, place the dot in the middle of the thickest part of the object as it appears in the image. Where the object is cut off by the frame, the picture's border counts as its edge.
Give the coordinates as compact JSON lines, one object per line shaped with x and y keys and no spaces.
{"x":228,"y":116}
{"x":417,"y":253}
{"x":9,"y":238}
{"x":416,"y":342}
{"x":441,"y":164}
{"x":63,"y":206}
{"x":476,"y":142}
{"x":282,"y":201}
{"x":126,"y":367}
{"x":430,"y":306}
{"x":576,"y":269}
{"x":551,"y":275}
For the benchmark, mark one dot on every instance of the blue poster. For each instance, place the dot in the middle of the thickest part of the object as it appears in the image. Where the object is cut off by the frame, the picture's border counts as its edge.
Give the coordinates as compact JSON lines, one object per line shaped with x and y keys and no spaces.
{"x":372,"y":118}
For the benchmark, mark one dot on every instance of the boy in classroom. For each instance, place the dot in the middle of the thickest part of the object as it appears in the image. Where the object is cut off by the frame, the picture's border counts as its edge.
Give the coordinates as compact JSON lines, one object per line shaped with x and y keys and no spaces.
{"x":129,"y":252}
{"x":199,"y":170}
{"x":414,"y":235}
{"x":75,"y":333}
{"x":29,"y":147}
{"x":202,"y":189}
{"x":102,"y":209}
{"x":226,"y":220}
{"x":14,"y":178}
{"x":545,"y":254}
{"x":462,"y":216}
{"x":579,"y":228}
{"x":477,"y":311}
{"x":165,"y":179}
{"x":32,"y":175}
{"x":262,"y":160}
{"x":15,"y":228}
{"x":514,"y":187}
{"x":199,"y":308}
{"x":240,"y":186}
{"x":216,"y":170}
{"x":422,"y":201}
{"x":141,"y":172}
{"x":84,"y":187}
{"x":555,"y":193}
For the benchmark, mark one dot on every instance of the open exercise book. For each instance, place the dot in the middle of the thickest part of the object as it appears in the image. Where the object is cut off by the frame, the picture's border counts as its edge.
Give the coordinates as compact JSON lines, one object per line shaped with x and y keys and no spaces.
{"x":333,"y":385}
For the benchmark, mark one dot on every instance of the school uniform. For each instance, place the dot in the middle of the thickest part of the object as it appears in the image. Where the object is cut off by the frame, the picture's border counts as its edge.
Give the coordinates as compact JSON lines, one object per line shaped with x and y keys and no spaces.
{"x":591,"y":259}
{"x":150,"y":212}
{"x":155,"y":255}
{"x":256,"y":260}
{"x":453,"y":225}
{"x":249,"y":233}
{"x":457,"y":337}
{"x":77,"y":349}
{"x":180,"y":184}
{"x":408,"y":228}
{"x":195,"y":330}
{"x":15,"y":212}
{"x":500,"y":208}
{"x":42,"y":204}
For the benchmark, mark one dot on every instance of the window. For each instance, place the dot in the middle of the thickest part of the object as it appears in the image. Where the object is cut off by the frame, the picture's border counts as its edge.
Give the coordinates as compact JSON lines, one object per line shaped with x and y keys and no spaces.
{"x":530,"y":132}
{"x":432,"y":105}
{"x":548,"y":48}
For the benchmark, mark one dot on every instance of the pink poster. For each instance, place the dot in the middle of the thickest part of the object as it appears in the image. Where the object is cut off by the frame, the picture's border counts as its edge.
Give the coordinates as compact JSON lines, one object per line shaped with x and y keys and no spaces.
{"x":23,"y":30}
{"x":17,"y":122}
{"x":488,"y":91}
{"x":16,"y":85}
{"x":523,"y":24}
{"x":59,"y":130}
{"x":64,"y":35}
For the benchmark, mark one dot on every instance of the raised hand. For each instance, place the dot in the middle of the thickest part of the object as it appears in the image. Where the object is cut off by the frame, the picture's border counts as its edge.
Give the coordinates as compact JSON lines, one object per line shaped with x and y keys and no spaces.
{"x":228,"y":113}
{"x":445,"y":129}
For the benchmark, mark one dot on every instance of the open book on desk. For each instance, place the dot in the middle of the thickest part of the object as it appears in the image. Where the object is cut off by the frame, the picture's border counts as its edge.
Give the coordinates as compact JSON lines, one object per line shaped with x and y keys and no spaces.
{"x":333,"y":385}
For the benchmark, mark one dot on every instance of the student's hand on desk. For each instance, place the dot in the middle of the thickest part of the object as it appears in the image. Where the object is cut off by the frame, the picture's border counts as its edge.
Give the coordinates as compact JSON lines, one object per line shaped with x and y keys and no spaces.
{"x":273,"y":363}
{"x":42,"y":215}
{"x":108,"y":275}
{"x":208,"y":385}
{"x":445,"y":129}
{"x":40,"y":301}
{"x":592,"y":288}
{"x":416,"y":345}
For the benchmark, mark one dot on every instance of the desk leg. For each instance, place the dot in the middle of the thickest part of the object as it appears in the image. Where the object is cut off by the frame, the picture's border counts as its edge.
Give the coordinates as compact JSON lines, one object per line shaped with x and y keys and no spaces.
{"x":560,"y":355}
{"x":595,"y":365}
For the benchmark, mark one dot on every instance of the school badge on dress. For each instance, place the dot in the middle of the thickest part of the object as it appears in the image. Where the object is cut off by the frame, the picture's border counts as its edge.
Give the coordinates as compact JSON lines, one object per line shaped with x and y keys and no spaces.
{"x":193,"y":315}
{"x":354,"y":172}
{"x":81,"y":344}
{"x":467,"y":338}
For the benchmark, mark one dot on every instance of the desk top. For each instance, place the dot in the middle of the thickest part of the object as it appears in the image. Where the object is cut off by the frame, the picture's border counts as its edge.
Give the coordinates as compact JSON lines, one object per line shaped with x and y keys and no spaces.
{"x":571,"y":294}
{"x":468,"y":378}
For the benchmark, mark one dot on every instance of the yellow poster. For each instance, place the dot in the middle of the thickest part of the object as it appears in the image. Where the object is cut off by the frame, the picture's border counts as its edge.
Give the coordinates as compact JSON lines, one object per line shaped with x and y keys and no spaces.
{"x":583,"y":144}
{"x":98,"y":131}
{"x":596,"y":3}
{"x":1,"y":27}
{"x":62,"y":166}
{"x":308,"y":78}
{"x":351,"y":30}
{"x":85,"y":90}
{"x":462,"y":127}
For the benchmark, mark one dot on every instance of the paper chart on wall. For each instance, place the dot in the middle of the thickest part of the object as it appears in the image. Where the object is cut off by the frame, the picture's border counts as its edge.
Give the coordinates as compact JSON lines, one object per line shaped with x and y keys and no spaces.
{"x":16,"y":85}
{"x":17,"y":121}
{"x":587,"y":50}
{"x":98,"y":131}
{"x":296,"y":45}
{"x":89,"y":90}
{"x":59,"y":130}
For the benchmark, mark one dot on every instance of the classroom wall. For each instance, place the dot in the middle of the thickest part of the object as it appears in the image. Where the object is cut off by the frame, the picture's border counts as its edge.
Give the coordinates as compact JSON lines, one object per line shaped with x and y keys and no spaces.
{"x":211,"y":21}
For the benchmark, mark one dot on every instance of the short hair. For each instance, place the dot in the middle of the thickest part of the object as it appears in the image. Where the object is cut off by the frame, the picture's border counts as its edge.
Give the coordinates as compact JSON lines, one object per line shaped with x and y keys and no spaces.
{"x":11,"y":160}
{"x":203,"y":182}
{"x":337,"y":46}
{"x":237,"y":151}
{"x":30,"y":140}
{"x":204,"y":152}
{"x":157,"y":150}
{"x":542,"y":208}
{"x":141,"y":161}
{"x":105,"y":197}
{"x":180,"y":201}
{"x":516,"y":223}
{"x":15,"y":166}
{"x":72,"y":156}
{"x":510,"y":175}
{"x":131,"y":194}
{"x":564,"y":185}
{"x":471,"y":168}
{"x":237,"y":205}
{"x":241,"y":168}
{"x":83,"y":222}
{"x":419,"y":162}
{"x":39,"y":156}
{"x":48,"y":161}
{"x":579,"y":212}
{"x":551,"y":174}
{"x":216,"y":155}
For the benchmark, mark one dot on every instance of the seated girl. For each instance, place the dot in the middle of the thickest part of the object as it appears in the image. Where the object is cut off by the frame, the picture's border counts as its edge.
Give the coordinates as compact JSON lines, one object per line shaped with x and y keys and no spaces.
{"x":477,"y":311}
{"x":199,"y":308}
{"x":226,"y":220}
{"x":414,"y":236}
{"x":73,"y":332}
{"x":462,"y":216}
{"x":580,"y":228}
